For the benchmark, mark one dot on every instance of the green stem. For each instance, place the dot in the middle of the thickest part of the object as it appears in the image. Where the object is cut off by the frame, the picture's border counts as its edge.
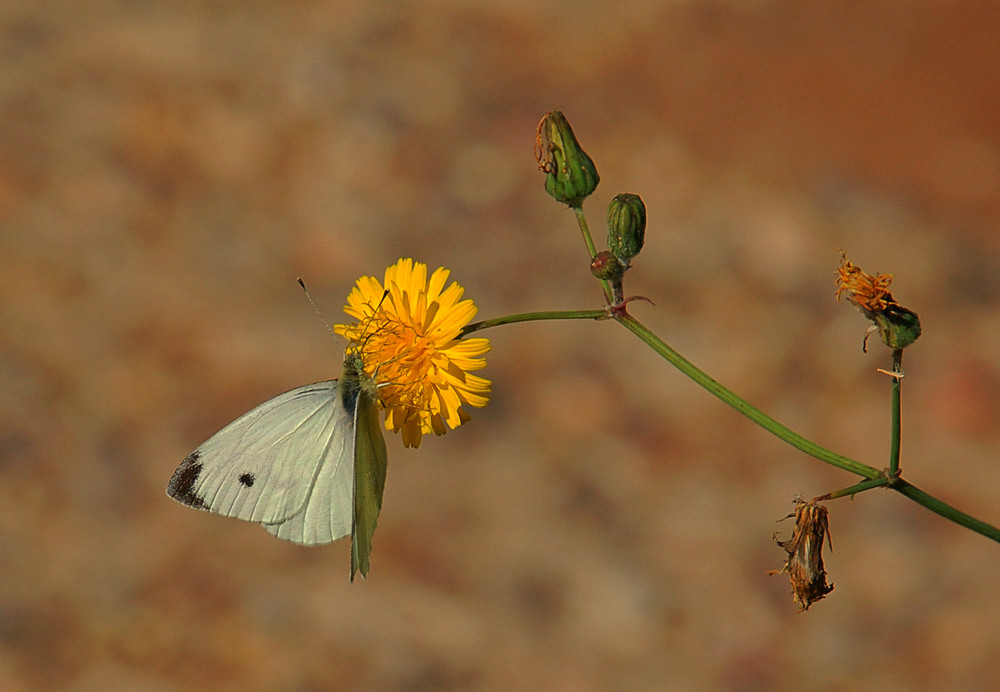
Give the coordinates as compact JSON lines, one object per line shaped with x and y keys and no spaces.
{"x":591,"y":248}
{"x":534,"y":317}
{"x":585,"y":230}
{"x":897,"y":367}
{"x":853,"y":490}
{"x":754,"y":414}
{"x":945,"y":510}
{"x":873,"y":477}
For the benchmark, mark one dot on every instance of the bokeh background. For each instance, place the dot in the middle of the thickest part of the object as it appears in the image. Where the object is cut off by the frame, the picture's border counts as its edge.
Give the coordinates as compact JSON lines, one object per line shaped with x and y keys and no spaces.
{"x":167,"y":171}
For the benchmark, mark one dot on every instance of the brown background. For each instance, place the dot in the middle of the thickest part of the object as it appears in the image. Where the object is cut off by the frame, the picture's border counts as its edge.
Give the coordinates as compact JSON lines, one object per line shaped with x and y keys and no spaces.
{"x":167,"y":170}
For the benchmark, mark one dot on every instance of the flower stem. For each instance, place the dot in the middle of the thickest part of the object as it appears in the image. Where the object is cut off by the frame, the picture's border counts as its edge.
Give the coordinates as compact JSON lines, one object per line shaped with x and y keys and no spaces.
{"x":853,"y":490}
{"x":751,"y":412}
{"x":534,"y":317}
{"x":947,"y":511}
{"x":875,"y":478}
{"x":591,"y":248}
{"x":585,"y":230}
{"x":897,"y":367}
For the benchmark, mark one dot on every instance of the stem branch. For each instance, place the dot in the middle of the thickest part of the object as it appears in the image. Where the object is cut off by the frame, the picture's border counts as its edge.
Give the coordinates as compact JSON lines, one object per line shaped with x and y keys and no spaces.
{"x":534,"y":317}
{"x":873,"y":478}
{"x":945,"y":510}
{"x":853,"y":490}
{"x":751,"y":412}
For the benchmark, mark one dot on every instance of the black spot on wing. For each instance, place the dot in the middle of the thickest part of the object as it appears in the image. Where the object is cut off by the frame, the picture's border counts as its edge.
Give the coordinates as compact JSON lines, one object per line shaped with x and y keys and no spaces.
{"x":247,"y":479}
{"x":181,"y":485}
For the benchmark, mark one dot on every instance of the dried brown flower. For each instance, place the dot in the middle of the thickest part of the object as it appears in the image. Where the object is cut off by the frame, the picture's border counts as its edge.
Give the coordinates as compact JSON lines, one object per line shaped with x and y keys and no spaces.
{"x":804,"y":565}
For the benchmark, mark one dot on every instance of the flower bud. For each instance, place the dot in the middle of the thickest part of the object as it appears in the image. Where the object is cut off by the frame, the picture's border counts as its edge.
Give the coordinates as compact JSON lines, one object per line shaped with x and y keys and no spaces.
{"x":626,"y":226}
{"x":570,"y":174}
{"x":605,"y":266}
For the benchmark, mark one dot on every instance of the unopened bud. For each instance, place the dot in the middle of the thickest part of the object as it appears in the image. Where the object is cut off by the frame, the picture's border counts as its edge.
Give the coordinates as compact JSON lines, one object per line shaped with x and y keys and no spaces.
{"x":626,"y":226}
{"x":570,"y":175}
{"x":605,"y":266}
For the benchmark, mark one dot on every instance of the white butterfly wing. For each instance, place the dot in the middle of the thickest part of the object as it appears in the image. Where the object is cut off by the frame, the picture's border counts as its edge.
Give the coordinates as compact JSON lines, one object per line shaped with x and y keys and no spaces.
{"x":287,"y":464}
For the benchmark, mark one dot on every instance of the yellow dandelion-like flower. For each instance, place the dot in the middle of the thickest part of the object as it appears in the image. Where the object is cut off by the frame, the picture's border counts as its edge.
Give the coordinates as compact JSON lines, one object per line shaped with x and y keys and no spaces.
{"x":407,"y":334}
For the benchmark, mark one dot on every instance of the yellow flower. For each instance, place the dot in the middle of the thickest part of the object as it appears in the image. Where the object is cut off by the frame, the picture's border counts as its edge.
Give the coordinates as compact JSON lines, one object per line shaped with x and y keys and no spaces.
{"x":407,"y":334}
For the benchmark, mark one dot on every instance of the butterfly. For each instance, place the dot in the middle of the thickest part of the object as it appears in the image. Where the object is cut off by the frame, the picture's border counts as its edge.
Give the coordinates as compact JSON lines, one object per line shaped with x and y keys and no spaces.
{"x":308,"y":465}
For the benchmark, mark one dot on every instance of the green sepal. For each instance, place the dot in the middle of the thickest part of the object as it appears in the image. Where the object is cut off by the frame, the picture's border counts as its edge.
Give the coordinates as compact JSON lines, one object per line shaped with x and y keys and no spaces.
{"x":898,"y":326}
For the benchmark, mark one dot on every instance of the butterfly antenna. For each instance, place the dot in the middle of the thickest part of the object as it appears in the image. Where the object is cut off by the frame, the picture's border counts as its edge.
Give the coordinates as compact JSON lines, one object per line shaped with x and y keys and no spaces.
{"x":385,"y":294}
{"x":313,"y":303}
{"x":366,"y":322}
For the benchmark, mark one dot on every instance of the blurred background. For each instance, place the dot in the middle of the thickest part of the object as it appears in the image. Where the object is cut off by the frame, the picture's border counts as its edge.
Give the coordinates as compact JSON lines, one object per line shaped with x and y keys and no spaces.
{"x":167,"y":171}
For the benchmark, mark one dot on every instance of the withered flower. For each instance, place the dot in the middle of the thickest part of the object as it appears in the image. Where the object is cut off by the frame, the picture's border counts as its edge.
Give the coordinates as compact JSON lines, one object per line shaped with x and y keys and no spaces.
{"x":898,"y":326}
{"x":804,"y":565}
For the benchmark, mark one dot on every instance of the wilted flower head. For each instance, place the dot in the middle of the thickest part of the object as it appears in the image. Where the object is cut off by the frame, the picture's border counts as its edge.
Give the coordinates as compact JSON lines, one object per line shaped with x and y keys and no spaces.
{"x":804,"y":565}
{"x":898,"y":326}
{"x":407,"y":335}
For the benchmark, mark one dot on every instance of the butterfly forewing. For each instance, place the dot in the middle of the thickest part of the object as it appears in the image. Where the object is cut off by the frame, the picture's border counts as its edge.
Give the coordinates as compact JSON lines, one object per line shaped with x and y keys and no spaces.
{"x":287,"y":464}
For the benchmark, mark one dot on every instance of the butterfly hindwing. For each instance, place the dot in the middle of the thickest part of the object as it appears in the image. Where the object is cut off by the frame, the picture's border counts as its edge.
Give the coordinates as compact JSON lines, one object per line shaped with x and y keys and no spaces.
{"x":370,"y":463}
{"x":287,"y":464}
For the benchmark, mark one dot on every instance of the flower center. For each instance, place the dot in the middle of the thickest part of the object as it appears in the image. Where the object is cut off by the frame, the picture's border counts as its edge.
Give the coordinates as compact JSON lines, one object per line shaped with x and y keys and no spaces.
{"x":402,"y":359}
